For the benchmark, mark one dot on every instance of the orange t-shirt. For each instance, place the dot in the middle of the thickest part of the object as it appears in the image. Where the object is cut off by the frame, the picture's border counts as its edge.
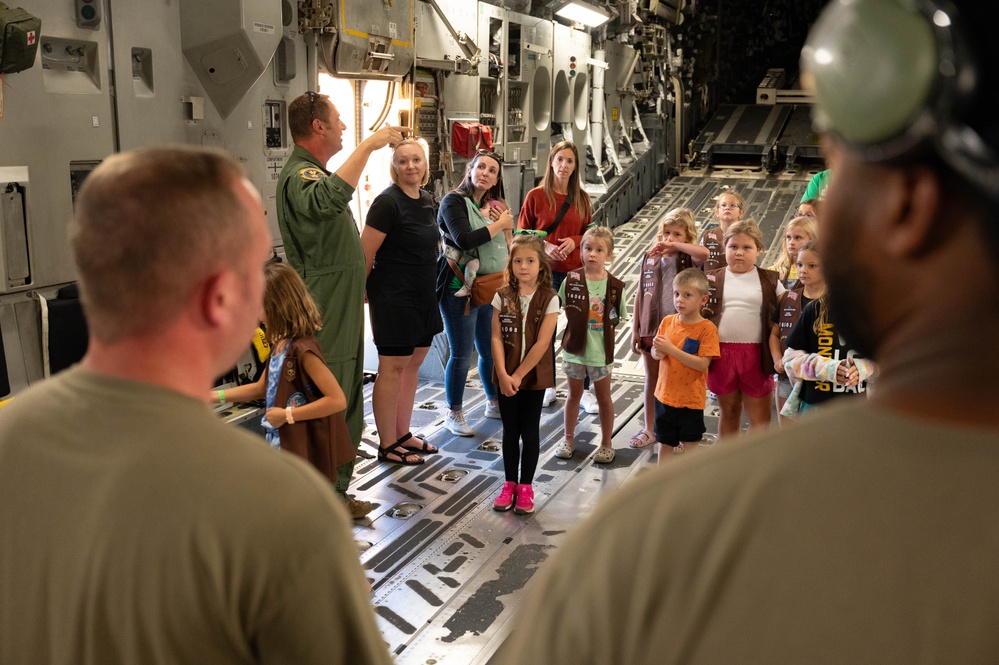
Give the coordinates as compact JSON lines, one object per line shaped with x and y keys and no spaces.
{"x":678,"y":385}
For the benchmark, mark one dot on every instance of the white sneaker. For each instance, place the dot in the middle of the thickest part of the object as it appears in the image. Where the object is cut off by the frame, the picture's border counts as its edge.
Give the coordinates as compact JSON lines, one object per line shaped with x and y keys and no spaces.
{"x":492,"y":410}
{"x":588,"y":402}
{"x":549,"y":397}
{"x":454,"y":421}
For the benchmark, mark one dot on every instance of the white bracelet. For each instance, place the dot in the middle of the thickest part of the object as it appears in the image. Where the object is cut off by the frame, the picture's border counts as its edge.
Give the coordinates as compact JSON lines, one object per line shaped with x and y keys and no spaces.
{"x":287,"y":415}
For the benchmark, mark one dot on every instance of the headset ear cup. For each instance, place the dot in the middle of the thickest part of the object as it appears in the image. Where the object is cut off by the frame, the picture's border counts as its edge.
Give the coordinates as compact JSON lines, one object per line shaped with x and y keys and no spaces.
{"x":873,"y":67}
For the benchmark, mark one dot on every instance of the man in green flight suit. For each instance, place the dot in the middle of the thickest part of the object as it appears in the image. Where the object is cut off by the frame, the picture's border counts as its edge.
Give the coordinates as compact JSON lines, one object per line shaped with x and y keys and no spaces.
{"x":322,"y":242}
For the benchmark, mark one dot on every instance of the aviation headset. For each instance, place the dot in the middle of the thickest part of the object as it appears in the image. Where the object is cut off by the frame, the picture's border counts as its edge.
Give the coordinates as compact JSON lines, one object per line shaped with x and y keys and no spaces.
{"x":893,"y":78}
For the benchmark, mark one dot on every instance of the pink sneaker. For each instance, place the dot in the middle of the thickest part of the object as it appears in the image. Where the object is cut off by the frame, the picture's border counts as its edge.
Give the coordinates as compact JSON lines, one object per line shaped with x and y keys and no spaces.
{"x":525,"y":500}
{"x":505,"y":499}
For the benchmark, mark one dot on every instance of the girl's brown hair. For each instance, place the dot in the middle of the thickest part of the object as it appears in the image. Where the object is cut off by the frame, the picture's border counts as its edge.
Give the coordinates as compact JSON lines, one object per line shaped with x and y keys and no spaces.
{"x":529,"y":241}
{"x":745,"y":227}
{"x":288,"y":306}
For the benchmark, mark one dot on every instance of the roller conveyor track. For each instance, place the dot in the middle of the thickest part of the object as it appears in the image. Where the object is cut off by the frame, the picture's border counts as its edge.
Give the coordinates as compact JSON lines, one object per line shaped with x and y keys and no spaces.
{"x":447,"y":572}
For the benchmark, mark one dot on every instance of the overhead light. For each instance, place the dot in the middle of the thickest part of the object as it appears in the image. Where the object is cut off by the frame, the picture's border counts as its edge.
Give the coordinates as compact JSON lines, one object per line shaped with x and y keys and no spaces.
{"x":583,"y":12}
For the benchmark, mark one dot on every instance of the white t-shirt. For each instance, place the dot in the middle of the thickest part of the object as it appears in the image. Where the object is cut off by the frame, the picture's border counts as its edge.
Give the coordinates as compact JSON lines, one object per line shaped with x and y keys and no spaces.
{"x":742,"y":300}
{"x":525,"y":302}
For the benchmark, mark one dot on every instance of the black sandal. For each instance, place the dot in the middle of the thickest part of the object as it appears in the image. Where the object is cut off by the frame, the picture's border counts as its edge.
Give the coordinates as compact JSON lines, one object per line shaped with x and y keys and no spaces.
{"x":401,"y":454}
{"x":425,"y":446}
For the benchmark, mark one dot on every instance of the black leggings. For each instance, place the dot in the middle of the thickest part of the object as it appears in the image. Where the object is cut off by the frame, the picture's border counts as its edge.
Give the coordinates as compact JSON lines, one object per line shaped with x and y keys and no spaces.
{"x":521,"y":420}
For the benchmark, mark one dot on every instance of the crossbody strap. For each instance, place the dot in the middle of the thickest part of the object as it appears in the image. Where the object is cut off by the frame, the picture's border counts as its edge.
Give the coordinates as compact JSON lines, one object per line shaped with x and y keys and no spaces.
{"x":558,"y":218}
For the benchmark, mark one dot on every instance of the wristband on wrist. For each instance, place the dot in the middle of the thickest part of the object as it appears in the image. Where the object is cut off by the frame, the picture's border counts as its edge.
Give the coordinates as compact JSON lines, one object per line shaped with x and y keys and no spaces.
{"x":221,"y":397}
{"x":287,"y":415}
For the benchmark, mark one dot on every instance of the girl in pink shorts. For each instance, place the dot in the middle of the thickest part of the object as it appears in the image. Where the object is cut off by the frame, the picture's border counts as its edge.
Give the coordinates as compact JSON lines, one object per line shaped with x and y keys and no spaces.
{"x":741,"y":303}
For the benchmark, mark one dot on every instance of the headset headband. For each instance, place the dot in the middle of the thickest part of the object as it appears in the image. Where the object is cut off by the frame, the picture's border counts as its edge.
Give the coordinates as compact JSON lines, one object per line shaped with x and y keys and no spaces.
{"x":894,"y":78}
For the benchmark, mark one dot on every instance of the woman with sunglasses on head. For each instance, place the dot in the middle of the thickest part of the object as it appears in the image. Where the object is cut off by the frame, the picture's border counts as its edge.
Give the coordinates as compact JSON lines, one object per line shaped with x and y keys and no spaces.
{"x":400,"y":242}
{"x":475,"y":223}
{"x":560,"y":211}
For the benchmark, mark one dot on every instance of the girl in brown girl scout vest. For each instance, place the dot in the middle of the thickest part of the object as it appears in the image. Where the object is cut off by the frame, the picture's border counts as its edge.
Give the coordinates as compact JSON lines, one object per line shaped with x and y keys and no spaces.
{"x":594,"y":304}
{"x":672,"y":253}
{"x":811,"y":284}
{"x":525,"y":311}
{"x":305,"y":404}
{"x":799,"y":231}
{"x":729,"y":209}
{"x":741,"y":303}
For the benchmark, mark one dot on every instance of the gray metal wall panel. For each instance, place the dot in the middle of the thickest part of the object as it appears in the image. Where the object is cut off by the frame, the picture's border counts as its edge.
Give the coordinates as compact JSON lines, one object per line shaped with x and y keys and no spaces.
{"x":52,"y":117}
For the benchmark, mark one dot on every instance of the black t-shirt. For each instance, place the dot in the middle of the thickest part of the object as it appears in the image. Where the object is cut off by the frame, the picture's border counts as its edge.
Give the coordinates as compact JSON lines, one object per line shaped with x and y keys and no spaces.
{"x":826,"y":343}
{"x":410,"y":228}
{"x":401,"y":288}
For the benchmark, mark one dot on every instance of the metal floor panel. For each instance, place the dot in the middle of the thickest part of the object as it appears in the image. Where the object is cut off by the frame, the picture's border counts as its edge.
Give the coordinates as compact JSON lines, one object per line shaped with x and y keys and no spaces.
{"x":447,"y":571}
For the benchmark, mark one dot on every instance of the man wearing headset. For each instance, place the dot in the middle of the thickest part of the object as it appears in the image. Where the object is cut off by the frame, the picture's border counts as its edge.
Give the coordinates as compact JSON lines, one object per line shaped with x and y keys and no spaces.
{"x":868,"y":532}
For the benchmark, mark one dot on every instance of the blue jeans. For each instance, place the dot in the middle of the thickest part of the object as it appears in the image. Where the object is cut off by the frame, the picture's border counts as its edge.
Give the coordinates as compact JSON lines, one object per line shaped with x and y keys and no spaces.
{"x":462,"y":331}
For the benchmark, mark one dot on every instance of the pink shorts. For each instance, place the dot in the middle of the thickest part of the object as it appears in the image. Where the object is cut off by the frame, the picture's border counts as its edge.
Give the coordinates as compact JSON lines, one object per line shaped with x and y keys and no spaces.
{"x":738,"y":368}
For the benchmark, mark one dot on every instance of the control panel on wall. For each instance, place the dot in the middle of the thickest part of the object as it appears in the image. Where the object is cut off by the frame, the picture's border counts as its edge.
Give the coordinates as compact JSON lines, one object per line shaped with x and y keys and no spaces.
{"x":274,"y":134}
{"x":88,"y":14}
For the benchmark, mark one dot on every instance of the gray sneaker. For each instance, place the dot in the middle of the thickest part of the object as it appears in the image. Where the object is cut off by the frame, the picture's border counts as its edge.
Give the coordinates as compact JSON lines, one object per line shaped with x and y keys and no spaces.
{"x":492,"y":410}
{"x":454,"y":421}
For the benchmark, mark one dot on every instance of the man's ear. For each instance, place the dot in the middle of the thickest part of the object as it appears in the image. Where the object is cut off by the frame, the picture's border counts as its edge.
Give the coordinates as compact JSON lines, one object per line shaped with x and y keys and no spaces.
{"x":216,"y":296}
{"x":913,"y":230}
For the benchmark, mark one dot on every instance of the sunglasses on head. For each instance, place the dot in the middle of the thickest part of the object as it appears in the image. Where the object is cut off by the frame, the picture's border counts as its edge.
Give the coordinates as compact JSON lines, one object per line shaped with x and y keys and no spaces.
{"x":313,"y":96}
{"x":482,"y":152}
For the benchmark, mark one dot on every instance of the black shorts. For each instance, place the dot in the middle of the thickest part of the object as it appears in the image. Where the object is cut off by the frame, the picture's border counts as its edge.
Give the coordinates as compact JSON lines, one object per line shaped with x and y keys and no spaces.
{"x":676,"y":424}
{"x":403,"y":350}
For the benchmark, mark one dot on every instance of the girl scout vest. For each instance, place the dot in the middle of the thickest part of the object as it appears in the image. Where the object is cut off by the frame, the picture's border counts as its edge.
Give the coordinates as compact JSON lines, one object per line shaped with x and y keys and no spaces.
{"x":324,"y":442}
{"x":650,"y":288}
{"x":768,"y":285}
{"x":714,"y":240}
{"x":790,"y":306}
{"x":577,"y":313}
{"x":543,"y":374}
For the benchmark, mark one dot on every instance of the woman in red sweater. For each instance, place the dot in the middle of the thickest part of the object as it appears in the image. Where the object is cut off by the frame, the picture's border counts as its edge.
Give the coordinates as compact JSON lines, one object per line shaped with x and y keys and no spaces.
{"x":561,"y":209}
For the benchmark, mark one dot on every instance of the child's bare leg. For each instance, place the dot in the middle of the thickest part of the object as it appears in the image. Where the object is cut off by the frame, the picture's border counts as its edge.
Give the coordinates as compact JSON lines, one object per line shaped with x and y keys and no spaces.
{"x":729,"y":413}
{"x":651,"y":377}
{"x":572,"y":406}
{"x":779,"y":403}
{"x":602,"y":390}
{"x":759,"y":411}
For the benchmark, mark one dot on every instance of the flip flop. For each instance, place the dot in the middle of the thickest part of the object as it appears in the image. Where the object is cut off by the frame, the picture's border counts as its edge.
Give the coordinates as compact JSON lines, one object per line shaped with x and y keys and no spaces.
{"x":400,"y":453}
{"x":425,"y":447}
{"x":642,"y":439}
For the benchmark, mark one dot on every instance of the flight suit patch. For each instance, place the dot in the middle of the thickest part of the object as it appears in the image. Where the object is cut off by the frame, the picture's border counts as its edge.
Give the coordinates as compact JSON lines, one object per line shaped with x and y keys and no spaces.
{"x":311,"y":174}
